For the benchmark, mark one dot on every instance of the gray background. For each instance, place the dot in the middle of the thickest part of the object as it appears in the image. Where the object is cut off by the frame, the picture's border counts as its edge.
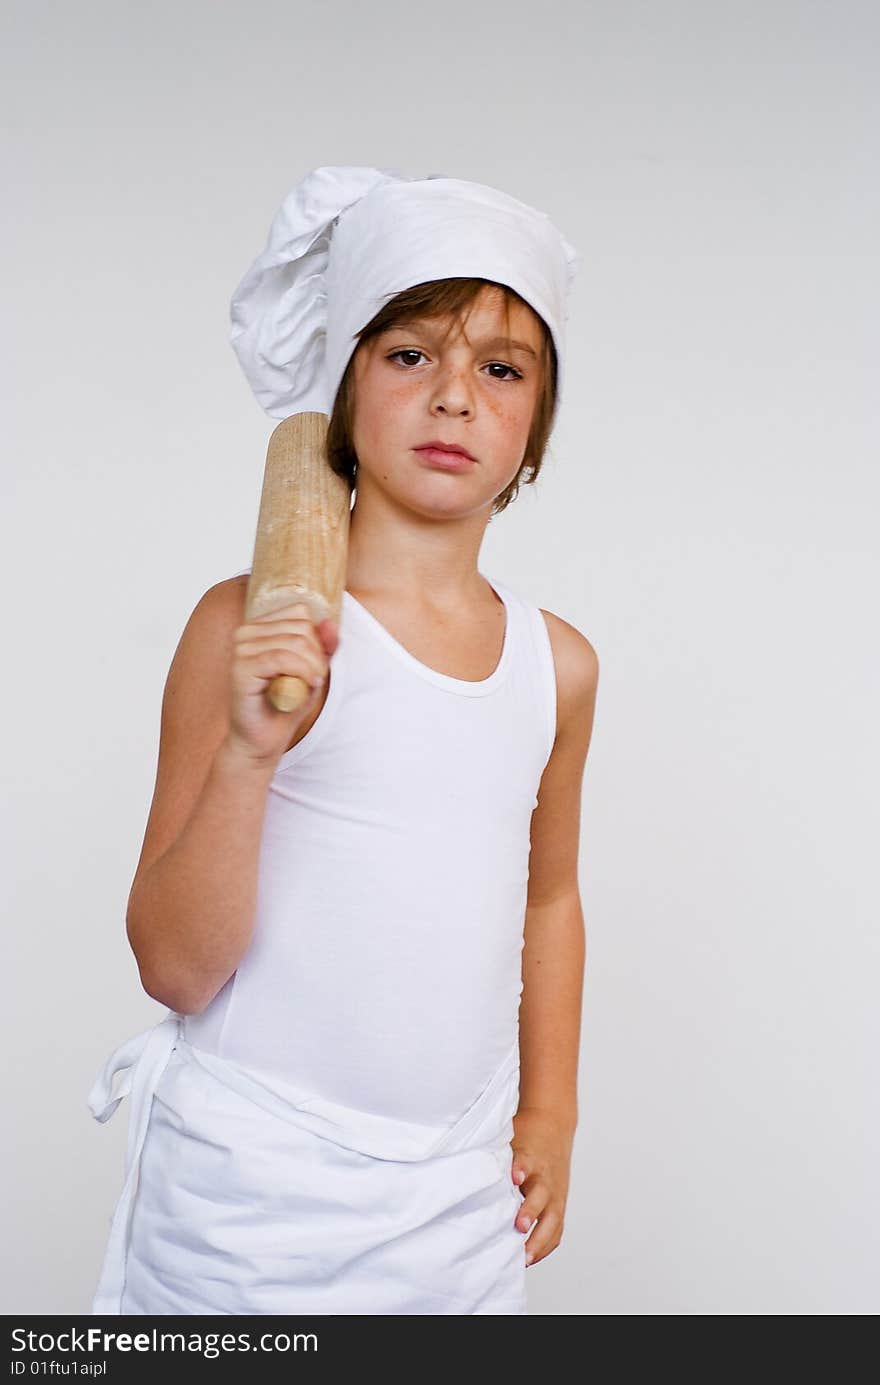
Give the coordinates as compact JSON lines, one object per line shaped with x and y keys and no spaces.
{"x":705,"y":517}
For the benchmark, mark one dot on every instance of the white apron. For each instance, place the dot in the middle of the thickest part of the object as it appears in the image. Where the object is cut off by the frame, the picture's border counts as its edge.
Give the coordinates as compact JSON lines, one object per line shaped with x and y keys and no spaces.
{"x":242,"y":1199}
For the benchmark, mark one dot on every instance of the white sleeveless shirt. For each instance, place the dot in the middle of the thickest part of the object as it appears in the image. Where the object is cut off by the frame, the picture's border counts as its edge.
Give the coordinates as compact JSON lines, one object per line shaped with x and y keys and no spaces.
{"x":384,"y":970}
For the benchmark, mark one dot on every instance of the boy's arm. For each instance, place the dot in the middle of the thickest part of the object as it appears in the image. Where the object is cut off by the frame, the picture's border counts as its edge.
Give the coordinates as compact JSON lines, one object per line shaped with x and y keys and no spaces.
{"x":554,"y":950}
{"x":553,"y":955}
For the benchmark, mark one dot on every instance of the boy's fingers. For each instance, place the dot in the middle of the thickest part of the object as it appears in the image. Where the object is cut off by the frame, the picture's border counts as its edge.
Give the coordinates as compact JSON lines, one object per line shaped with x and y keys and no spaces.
{"x":517,"y":1166}
{"x":535,"y":1205}
{"x":329,"y":634}
{"x":545,"y":1237}
{"x":525,"y":1217}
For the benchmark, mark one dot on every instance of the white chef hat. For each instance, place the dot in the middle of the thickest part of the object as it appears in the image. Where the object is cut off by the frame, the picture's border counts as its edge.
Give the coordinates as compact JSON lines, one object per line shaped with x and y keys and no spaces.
{"x":346,"y":240}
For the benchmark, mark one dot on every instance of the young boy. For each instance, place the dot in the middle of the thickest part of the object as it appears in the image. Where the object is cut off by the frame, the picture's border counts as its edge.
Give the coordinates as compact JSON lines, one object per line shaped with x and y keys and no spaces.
{"x":364,"y":915}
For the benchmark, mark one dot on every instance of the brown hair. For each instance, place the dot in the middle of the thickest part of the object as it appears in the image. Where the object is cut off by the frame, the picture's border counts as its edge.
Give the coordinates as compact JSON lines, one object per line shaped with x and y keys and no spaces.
{"x":444,"y":298}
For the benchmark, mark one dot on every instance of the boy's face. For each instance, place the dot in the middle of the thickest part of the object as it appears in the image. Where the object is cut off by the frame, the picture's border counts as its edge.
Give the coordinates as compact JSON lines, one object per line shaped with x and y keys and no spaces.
{"x":471,"y":390}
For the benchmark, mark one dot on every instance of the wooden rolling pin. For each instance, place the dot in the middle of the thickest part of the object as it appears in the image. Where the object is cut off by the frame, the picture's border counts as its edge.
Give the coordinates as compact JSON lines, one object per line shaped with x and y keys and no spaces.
{"x":301,"y":545}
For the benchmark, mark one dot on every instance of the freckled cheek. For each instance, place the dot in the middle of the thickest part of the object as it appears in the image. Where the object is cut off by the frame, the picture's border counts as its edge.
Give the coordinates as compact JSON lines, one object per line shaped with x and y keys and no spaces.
{"x":399,"y":403}
{"x":384,"y":420}
{"x":511,"y":426}
{"x":389,"y":412}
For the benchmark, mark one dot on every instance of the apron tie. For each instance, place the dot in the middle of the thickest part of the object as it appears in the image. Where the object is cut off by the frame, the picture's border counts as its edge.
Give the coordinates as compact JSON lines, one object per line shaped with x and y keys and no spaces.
{"x":487,"y":1122}
{"x":142,"y":1060}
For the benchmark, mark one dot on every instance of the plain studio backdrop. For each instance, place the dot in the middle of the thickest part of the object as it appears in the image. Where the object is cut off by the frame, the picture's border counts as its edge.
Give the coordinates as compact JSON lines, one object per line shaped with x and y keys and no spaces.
{"x":707,"y":516}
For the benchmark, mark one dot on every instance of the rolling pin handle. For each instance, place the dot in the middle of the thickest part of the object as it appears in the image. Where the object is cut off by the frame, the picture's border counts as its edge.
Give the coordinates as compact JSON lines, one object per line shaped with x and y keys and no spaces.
{"x":287,"y":692}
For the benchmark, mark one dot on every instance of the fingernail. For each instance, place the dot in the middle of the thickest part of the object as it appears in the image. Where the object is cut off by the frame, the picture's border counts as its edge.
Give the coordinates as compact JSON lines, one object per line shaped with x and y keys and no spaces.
{"x":529,"y":1257}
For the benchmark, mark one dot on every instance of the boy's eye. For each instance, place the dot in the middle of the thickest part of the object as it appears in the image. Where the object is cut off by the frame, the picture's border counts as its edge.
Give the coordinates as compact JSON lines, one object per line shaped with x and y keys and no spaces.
{"x":412,"y":351}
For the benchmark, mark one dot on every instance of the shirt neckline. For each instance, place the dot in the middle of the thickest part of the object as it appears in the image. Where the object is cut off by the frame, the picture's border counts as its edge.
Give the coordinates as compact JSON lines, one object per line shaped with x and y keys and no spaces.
{"x":466,"y":686}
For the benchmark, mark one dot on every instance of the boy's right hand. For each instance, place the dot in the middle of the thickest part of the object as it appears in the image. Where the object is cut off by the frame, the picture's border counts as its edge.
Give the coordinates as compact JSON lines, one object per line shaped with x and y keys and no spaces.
{"x":282,"y":642}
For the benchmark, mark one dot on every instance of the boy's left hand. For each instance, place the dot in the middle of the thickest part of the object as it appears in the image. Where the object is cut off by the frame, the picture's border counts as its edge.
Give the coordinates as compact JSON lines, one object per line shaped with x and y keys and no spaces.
{"x":541,"y":1147}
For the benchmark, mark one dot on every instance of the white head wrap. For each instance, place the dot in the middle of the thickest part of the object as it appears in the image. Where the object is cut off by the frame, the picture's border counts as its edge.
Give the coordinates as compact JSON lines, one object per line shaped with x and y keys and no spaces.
{"x":346,"y":240}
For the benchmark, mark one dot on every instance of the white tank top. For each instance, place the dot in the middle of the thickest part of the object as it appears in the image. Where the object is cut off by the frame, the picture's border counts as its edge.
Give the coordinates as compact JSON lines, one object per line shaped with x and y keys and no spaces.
{"x":385,"y":967}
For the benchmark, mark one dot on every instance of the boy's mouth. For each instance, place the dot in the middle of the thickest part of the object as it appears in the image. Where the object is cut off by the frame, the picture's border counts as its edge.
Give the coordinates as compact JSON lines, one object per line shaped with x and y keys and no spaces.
{"x":445,"y":458}
{"x":435,"y":445}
